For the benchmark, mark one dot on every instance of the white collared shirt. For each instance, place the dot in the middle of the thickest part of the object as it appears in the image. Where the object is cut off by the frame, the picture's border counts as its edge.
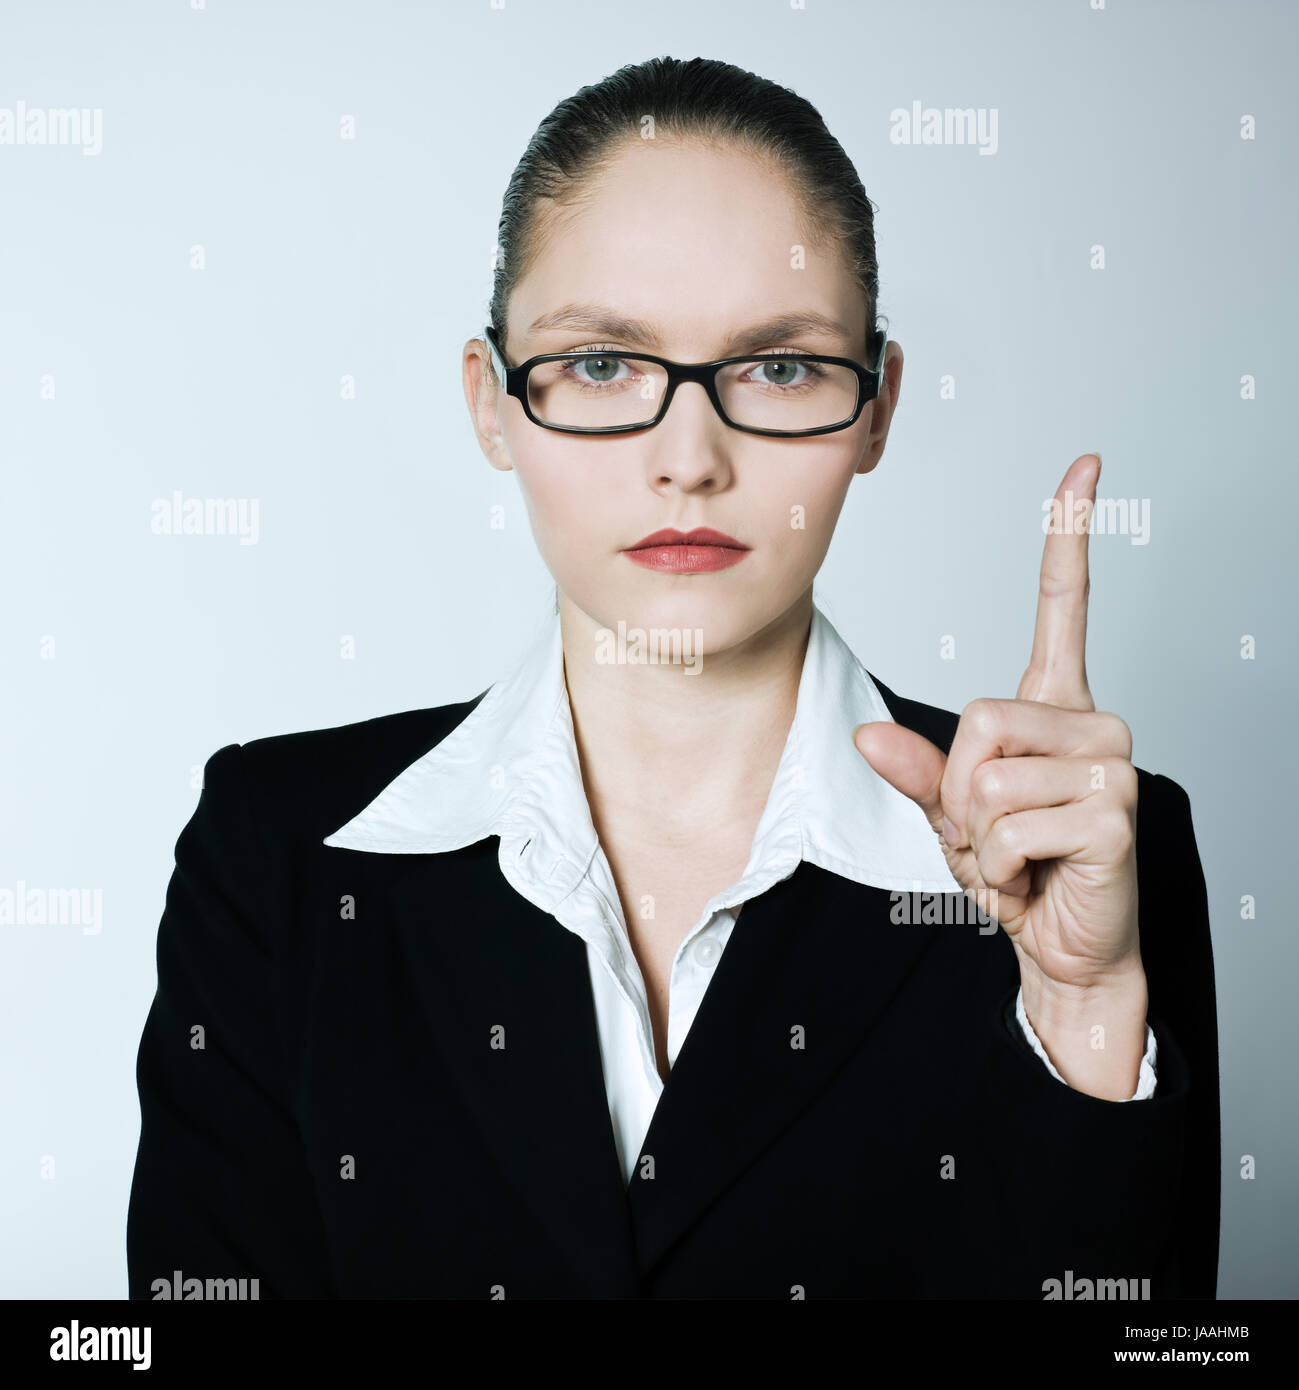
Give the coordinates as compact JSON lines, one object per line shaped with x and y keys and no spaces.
{"x":511,"y":768}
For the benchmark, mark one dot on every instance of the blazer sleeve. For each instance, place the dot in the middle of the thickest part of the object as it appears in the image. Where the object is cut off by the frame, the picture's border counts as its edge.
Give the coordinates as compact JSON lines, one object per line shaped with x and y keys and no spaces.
{"x":221,"y":1188}
{"x":1101,"y":1188}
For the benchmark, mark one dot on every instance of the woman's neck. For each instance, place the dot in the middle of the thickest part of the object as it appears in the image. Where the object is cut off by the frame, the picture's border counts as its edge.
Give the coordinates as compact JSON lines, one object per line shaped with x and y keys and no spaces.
{"x":675,"y":753}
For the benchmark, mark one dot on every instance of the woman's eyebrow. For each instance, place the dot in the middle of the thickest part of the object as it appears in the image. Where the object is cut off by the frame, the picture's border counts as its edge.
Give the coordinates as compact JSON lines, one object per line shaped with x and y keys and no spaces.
{"x":605,"y":323}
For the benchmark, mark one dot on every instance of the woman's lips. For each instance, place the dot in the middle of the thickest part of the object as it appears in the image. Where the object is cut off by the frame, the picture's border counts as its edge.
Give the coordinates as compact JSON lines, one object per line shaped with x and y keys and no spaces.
{"x":686,"y":559}
{"x":687,"y":552}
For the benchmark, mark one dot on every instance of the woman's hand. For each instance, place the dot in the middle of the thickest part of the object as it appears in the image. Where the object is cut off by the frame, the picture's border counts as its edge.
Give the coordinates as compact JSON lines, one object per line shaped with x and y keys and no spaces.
{"x":1037,"y":800}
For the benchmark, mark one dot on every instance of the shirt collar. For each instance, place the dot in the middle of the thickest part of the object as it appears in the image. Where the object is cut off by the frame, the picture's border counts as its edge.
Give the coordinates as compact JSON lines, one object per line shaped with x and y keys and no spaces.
{"x":510,"y":768}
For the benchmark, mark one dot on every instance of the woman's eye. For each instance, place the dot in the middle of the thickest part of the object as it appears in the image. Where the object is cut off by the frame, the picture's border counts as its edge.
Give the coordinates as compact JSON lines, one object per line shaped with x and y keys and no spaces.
{"x":599,"y":369}
{"x":791,"y":371}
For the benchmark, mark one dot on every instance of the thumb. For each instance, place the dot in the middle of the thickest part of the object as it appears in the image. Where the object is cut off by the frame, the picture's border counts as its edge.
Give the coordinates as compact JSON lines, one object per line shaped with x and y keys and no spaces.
{"x":908,"y":761}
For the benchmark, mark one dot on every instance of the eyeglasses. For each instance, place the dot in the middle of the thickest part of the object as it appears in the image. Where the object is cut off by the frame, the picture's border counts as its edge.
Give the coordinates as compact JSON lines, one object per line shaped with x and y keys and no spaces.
{"x":614,"y":393}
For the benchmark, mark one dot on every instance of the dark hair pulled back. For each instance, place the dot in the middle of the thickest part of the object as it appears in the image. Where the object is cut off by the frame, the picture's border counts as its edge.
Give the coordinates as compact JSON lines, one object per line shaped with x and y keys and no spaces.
{"x":698,"y":98}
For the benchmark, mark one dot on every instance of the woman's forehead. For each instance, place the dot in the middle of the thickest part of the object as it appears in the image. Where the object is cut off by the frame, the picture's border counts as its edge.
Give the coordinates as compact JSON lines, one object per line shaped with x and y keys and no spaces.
{"x":679,"y":244}
{"x":671,"y":189}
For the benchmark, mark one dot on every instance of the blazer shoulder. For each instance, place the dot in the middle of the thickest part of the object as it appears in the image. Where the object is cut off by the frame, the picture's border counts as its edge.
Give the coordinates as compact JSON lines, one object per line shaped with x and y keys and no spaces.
{"x":309,"y":782}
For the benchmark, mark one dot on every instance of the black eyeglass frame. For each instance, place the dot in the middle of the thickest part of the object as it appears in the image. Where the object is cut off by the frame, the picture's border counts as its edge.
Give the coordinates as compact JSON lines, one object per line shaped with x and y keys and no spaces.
{"x":705,"y":373}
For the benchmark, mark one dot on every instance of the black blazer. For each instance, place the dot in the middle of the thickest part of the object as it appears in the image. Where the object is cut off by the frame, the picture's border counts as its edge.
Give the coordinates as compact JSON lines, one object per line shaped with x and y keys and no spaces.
{"x":345,"y":1129}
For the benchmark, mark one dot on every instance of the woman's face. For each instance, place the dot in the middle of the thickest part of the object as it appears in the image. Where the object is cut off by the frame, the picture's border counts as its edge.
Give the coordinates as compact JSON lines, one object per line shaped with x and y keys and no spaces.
{"x":700,"y":245}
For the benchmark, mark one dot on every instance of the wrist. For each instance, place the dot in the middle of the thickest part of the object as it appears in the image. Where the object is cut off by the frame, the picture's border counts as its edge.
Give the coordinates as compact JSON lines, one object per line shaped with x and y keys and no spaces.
{"x":1122,"y":986}
{"x":1094,"y":1034}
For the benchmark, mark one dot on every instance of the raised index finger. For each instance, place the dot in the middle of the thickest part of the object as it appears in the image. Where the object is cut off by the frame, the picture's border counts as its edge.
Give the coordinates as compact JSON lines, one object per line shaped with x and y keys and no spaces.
{"x":1057,"y":669}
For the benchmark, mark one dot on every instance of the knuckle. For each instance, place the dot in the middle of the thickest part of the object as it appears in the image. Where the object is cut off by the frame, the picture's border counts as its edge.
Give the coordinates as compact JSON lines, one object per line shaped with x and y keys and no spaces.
{"x":987,"y":783}
{"x":1002,"y":840}
{"x":1122,"y":778}
{"x":980,"y":715}
{"x":1118,"y":733}
{"x":1119,"y":833}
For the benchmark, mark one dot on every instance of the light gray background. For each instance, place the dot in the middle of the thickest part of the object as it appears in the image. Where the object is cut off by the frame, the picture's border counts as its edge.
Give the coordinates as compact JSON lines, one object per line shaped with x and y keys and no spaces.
{"x":371,"y":257}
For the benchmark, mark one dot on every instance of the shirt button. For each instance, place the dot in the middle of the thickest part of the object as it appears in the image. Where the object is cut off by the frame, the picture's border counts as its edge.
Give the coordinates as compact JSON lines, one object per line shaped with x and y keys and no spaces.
{"x":705,"y":952}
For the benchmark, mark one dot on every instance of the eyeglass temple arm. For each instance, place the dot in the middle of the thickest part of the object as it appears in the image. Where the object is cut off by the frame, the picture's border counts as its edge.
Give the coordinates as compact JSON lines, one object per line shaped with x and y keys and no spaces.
{"x":498,"y":362}
{"x":881,"y":340}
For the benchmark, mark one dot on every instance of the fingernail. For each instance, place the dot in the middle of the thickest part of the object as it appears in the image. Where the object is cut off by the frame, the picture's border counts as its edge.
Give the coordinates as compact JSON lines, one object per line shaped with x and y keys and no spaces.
{"x":950,"y":833}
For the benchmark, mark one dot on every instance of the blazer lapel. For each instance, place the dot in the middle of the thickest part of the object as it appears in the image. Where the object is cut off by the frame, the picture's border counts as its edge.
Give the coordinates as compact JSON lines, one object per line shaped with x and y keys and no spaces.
{"x":809,"y":967}
{"x":482,"y":958}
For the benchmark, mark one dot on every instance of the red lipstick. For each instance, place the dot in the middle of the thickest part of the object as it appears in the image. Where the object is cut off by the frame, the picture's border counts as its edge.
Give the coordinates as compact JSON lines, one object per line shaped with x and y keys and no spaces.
{"x":687,"y":552}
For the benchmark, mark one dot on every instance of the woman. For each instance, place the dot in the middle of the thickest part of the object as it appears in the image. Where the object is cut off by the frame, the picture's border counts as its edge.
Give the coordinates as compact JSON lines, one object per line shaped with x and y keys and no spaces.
{"x":632,"y":977}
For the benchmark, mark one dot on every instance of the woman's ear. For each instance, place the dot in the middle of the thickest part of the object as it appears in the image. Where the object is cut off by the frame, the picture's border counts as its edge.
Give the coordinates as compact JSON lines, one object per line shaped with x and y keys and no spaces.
{"x":484,"y":397}
{"x":882,"y":408}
